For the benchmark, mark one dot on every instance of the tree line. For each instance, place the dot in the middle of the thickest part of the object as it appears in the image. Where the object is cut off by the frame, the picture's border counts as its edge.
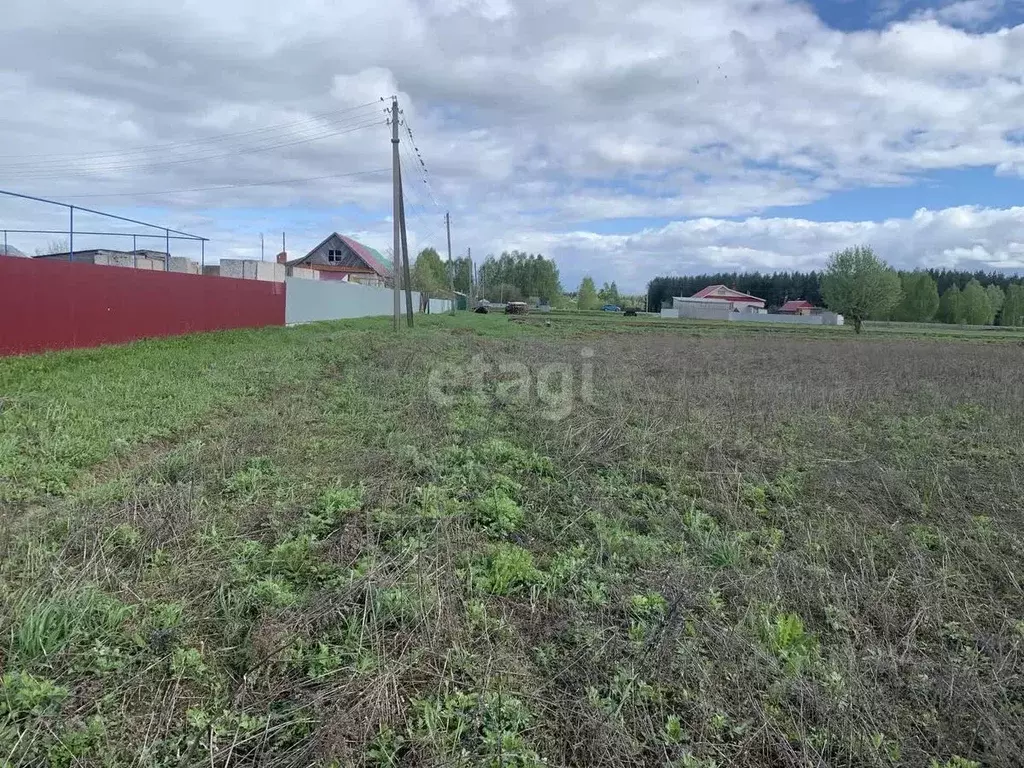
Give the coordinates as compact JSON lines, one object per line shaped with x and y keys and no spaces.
{"x":933,"y":295}
{"x":512,"y":276}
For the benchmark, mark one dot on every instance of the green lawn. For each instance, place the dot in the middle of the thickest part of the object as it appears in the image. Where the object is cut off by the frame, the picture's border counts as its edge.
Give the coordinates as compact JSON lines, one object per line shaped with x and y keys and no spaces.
{"x":562,"y":540}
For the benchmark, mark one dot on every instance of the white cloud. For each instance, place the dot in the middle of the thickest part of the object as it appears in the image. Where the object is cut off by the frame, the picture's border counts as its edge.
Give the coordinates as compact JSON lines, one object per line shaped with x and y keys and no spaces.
{"x":532,"y":118}
{"x":967,"y":13}
{"x":969,"y":237}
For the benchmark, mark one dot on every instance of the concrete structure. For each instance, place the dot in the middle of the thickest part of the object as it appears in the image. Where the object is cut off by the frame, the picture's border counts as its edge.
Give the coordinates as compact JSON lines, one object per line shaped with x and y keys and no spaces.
{"x":822,"y":318}
{"x":184,"y":265}
{"x":344,"y":259}
{"x":271,"y":271}
{"x":140,"y":259}
{"x":701,"y":310}
{"x":248,"y":269}
{"x":309,"y":301}
{"x":302,"y":273}
{"x":695,"y":311}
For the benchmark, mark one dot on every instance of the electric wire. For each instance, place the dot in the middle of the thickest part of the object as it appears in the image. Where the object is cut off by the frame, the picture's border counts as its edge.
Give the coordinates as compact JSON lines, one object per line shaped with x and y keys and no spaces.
{"x":63,"y":173}
{"x":312,"y":119}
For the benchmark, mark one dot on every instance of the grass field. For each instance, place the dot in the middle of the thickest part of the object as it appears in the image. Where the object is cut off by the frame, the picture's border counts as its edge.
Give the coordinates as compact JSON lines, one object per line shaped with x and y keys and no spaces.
{"x":563,"y":541}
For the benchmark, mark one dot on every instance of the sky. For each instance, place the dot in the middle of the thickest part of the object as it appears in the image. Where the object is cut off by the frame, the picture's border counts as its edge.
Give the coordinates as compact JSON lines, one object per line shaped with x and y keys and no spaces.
{"x":623,"y":139}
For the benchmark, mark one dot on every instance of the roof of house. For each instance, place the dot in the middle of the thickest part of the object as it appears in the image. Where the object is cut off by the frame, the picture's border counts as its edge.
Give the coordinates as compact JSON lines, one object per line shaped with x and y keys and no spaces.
{"x":10,"y":250}
{"x":370,"y":256}
{"x":796,"y":305}
{"x":722,"y":293}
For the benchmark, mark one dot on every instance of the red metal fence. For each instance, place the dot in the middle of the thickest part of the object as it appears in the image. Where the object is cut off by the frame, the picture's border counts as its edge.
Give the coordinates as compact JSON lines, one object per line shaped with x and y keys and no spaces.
{"x":59,"y":305}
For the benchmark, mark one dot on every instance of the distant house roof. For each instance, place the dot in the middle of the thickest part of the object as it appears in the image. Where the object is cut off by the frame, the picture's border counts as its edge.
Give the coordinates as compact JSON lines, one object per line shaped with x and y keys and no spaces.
{"x":10,"y":250}
{"x":795,"y":306}
{"x":722,"y":293}
{"x":370,"y":256}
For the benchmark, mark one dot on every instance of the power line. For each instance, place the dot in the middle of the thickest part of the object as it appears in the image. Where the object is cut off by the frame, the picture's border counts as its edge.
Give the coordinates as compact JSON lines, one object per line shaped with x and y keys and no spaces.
{"x":232,"y":186}
{"x":422,"y":164}
{"x":63,"y":173}
{"x":208,"y":139}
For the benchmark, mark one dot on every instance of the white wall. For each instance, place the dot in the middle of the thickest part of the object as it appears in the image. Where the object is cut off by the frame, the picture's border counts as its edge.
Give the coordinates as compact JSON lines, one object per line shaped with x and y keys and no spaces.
{"x":825,"y":318}
{"x":270,"y":271}
{"x":307,"y":301}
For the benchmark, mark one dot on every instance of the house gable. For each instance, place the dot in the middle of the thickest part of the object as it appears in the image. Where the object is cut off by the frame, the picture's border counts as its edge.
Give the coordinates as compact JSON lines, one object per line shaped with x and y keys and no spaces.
{"x":343,"y":253}
{"x":723,"y":293}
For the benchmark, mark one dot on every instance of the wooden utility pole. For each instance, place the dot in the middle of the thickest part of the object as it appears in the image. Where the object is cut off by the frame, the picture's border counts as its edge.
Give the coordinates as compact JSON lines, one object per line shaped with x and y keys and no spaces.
{"x":451,"y":269}
{"x":406,"y":276}
{"x":396,"y":205}
{"x":261,"y":247}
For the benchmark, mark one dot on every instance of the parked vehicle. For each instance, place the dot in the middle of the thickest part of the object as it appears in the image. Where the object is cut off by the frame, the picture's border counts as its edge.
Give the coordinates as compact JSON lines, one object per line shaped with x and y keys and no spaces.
{"x":611,"y":308}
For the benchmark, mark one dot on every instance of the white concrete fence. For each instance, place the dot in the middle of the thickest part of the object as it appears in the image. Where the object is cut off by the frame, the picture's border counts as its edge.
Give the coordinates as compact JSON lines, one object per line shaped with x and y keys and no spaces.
{"x":714,"y":313}
{"x":309,"y":301}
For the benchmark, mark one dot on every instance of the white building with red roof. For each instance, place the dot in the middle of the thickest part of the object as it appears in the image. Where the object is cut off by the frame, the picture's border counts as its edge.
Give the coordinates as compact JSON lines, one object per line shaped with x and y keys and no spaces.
{"x":796,"y":307}
{"x":721,"y":297}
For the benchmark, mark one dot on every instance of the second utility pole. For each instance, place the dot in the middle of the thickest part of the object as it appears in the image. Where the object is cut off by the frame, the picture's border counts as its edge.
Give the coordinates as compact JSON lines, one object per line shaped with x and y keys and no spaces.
{"x":396,"y":261}
{"x":406,"y":277}
{"x":451,"y":273}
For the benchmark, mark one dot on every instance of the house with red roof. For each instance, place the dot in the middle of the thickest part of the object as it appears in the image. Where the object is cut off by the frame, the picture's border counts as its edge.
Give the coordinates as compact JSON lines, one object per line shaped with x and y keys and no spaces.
{"x":342,"y":258}
{"x":722,"y":296}
{"x":796,"y":307}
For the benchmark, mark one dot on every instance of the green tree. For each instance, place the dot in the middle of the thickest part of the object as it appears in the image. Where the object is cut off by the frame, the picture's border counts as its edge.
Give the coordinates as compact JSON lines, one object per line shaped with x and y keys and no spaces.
{"x":463,"y":269}
{"x":529,"y":274}
{"x":1013,"y":307}
{"x":996,"y":299}
{"x":429,"y":273}
{"x":974,"y":305}
{"x":586,"y":295}
{"x":920,"y":298}
{"x":951,"y":306}
{"x":609,"y":294}
{"x":859,"y":285}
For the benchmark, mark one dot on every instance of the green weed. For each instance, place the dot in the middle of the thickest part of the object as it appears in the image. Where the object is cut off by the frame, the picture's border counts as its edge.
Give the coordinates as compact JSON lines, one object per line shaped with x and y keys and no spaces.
{"x":506,"y":570}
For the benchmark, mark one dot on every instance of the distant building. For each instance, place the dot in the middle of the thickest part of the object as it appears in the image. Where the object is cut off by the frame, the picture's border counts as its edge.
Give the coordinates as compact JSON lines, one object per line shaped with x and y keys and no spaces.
{"x":105,"y":256}
{"x":717,"y":297}
{"x":10,"y":250}
{"x":797,"y":307}
{"x":342,"y":258}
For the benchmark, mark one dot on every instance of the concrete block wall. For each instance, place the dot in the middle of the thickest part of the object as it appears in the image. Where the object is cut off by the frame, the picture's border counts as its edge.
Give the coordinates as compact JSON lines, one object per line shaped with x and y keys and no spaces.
{"x":750,"y":317}
{"x":122,"y":260}
{"x":701,"y":312}
{"x":439,"y":306}
{"x":270,"y":271}
{"x":249,"y":269}
{"x":232,"y":268}
{"x":302,"y":273}
{"x":184,"y":264}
